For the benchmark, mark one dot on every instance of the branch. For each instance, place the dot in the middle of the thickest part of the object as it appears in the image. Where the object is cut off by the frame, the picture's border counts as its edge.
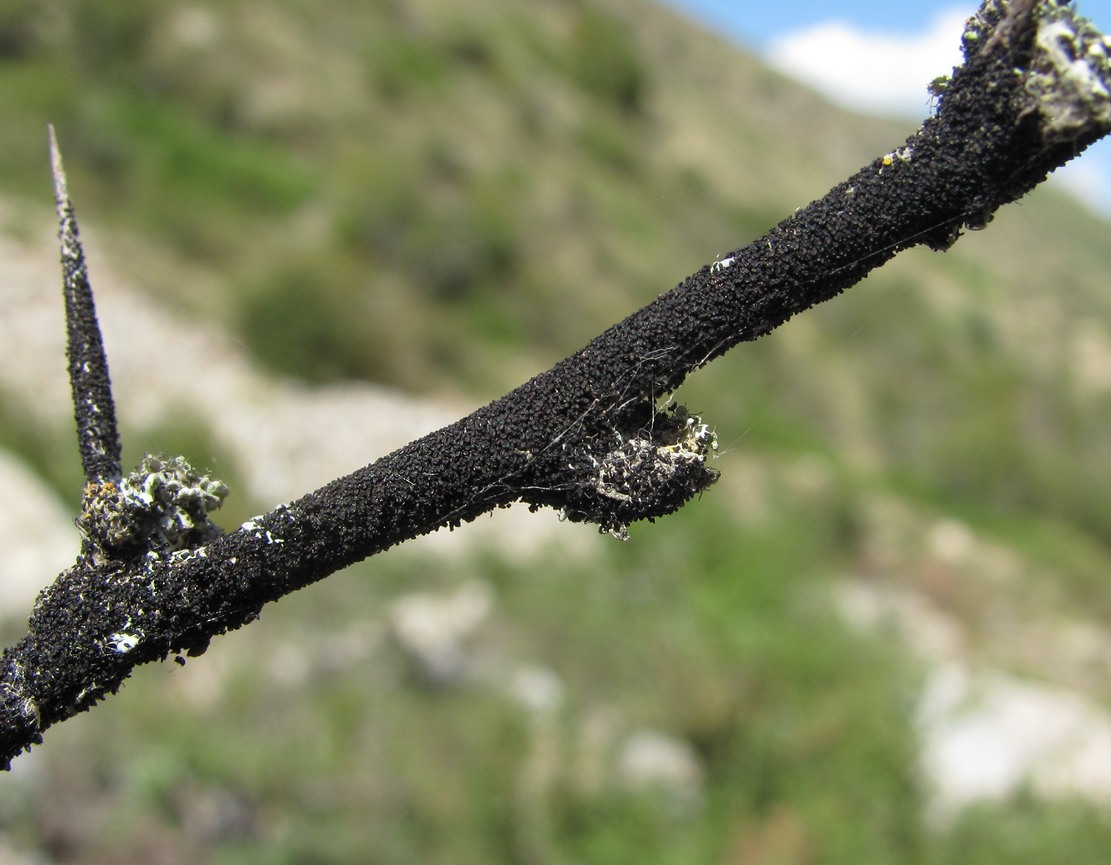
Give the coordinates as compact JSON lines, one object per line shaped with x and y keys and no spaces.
{"x":93,"y":408}
{"x":589,"y":437}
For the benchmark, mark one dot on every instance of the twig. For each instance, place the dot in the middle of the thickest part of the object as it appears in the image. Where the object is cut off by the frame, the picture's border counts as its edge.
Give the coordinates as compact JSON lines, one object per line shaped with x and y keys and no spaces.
{"x":587,"y":436}
{"x":93,"y":407}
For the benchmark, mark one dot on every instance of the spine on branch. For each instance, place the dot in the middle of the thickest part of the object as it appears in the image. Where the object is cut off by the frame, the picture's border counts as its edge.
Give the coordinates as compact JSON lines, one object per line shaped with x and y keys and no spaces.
{"x":93,"y":408}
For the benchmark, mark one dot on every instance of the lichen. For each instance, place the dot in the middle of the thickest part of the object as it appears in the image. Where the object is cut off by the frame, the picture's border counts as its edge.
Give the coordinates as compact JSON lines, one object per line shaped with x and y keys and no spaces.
{"x":899,"y":154}
{"x":1069,"y":79}
{"x":643,"y":474}
{"x":260,"y":532}
{"x":161,"y":507}
{"x":123,"y":642}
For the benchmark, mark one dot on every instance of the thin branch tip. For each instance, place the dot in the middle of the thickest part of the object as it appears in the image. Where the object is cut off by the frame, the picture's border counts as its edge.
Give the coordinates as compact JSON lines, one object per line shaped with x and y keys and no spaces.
{"x":61,"y":188}
{"x":94,"y":409}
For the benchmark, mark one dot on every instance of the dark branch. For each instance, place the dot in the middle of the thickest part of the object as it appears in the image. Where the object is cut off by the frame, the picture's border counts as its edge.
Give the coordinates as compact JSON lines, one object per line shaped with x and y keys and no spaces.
{"x":93,"y":408}
{"x":587,"y":436}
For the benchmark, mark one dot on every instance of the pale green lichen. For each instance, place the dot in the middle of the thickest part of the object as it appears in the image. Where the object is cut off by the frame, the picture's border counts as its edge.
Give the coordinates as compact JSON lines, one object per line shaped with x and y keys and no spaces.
{"x":1069,"y":79}
{"x":938,"y":85}
{"x":162,"y":506}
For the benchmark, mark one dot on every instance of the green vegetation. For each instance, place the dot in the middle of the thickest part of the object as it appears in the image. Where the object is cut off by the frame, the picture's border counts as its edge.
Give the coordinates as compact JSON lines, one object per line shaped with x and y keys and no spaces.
{"x":470,"y":155}
{"x":444,"y":199}
{"x":717,"y":651}
{"x":50,"y":453}
{"x":311,"y":752}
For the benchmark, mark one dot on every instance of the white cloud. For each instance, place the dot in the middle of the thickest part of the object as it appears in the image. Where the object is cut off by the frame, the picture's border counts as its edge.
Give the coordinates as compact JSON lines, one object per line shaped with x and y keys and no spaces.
{"x":1089,"y":178}
{"x":872,"y":70}
{"x":887,"y":73}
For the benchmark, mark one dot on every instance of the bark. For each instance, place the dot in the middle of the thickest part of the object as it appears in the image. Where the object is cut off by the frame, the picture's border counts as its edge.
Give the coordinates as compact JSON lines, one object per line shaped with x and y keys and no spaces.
{"x":589,"y":436}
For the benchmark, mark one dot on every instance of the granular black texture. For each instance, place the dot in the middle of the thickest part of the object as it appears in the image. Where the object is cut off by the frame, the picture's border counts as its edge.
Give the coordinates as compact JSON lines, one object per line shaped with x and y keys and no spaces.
{"x":93,"y":407}
{"x":587,"y":435}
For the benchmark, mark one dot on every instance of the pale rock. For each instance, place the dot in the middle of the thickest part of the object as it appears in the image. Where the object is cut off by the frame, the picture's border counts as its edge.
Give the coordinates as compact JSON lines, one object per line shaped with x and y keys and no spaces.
{"x":988,"y":735}
{"x":436,"y":632}
{"x":38,"y":539}
{"x":651,"y":760}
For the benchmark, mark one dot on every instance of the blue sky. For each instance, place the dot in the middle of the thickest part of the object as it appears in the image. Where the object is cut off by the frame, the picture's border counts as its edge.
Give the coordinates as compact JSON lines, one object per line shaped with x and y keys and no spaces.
{"x":878,"y":55}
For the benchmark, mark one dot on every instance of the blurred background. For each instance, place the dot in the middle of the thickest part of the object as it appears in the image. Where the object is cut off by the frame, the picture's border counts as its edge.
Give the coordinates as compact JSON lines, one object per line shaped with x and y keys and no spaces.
{"x":319,"y":229}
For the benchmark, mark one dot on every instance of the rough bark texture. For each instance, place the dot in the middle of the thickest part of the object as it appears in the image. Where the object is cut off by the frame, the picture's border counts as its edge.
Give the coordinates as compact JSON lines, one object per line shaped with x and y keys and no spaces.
{"x":93,"y":408}
{"x":587,"y":436}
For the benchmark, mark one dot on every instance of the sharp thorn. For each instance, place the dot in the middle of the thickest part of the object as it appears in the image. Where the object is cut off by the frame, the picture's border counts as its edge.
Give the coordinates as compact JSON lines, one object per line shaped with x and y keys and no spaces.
{"x":61,"y":190}
{"x":93,"y":407}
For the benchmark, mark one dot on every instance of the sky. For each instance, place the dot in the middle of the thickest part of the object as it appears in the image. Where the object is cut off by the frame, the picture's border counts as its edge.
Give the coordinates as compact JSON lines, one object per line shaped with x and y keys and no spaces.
{"x":879,"y":55}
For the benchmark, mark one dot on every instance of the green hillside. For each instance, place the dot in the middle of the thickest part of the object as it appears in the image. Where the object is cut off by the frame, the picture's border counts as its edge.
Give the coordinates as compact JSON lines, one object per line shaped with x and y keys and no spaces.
{"x":450,"y":188}
{"x":447,"y":198}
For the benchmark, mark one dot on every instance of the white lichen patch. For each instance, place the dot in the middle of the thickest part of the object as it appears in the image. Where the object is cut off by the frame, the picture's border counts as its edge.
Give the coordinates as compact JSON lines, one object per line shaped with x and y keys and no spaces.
{"x":654,"y":471}
{"x":1069,"y":77}
{"x":162,"y":506}
{"x":14,"y":693}
{"x":638,"y":456}
{"x":1069,"y":80}
{"x":123,"y":642}
{"x":260,"y":532}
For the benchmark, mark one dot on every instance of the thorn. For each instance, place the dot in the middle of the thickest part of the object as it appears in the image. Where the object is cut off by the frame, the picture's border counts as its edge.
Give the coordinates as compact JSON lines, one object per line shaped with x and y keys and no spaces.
{"x":93,"y":407}
{"x":61,"y":191}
